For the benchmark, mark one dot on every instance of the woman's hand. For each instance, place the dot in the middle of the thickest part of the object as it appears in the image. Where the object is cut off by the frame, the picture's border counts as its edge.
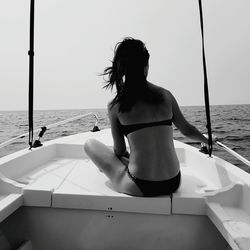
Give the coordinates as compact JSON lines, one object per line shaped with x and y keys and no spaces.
{"x":124,"y":160}
{"x":214,"y":138}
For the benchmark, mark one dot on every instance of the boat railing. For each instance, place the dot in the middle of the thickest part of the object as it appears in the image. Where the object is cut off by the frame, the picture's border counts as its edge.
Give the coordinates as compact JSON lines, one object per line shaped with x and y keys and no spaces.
{"x":232,"y":152}
{"x":44,"y":128}
{"x":204,"y":150}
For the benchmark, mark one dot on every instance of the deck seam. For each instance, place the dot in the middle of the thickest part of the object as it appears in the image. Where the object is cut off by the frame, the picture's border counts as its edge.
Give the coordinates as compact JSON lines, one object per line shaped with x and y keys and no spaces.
{"x":66,"y":176}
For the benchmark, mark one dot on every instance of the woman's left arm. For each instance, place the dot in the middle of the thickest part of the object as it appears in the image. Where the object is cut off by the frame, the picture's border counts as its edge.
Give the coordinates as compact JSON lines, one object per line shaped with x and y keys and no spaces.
{"x":119,"y":142}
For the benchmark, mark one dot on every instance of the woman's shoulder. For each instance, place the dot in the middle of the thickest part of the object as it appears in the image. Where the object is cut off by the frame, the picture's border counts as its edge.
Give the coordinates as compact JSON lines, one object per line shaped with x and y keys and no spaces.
{"x":112,"y":108}
{"x":165,"y":93}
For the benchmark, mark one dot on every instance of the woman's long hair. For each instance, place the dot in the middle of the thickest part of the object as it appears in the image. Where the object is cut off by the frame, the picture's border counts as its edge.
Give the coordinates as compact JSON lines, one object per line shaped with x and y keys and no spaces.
{"x":128,"y":74}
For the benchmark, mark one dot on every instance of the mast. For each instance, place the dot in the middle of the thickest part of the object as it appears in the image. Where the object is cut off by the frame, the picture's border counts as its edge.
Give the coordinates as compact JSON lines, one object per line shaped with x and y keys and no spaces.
{"x":206,"y":92}
{"x":31,"y":72}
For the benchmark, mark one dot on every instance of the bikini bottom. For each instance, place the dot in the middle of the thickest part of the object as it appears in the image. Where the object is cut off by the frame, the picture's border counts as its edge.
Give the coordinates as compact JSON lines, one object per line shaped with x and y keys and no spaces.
{"x":156,"y":188}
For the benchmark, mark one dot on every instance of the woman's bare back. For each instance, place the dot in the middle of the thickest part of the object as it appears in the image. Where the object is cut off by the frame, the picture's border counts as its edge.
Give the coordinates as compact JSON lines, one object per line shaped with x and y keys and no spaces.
{"x":152,"y":150}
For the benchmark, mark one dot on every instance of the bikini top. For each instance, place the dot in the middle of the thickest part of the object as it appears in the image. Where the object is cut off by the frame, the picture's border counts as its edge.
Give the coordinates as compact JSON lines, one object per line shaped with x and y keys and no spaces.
{"x":127,"y":129}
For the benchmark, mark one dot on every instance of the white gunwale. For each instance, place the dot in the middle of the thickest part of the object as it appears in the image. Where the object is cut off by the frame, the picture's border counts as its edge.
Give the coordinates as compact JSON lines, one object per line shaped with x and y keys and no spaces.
{"x":59,"y":176}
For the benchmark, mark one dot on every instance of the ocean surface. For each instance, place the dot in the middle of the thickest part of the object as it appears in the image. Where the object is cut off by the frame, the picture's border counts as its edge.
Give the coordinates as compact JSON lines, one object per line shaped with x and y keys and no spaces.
{"x":230,"y":123}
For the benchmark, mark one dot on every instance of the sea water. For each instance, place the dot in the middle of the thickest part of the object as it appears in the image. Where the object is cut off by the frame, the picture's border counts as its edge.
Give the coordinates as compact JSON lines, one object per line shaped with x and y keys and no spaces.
{"x":230,"y":123}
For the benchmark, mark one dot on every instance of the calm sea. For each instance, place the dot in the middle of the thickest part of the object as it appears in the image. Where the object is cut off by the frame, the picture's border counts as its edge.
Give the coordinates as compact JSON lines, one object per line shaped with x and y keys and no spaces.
{"x":231,"y":123}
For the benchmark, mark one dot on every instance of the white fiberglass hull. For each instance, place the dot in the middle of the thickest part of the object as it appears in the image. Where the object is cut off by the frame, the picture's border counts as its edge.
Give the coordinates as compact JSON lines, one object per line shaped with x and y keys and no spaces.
{"x":56,"y":198}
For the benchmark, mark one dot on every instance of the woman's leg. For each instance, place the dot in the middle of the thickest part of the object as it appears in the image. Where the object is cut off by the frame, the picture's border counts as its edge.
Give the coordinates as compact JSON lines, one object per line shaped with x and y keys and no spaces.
{"x":116,"y":170}
{"x":104,"y":158}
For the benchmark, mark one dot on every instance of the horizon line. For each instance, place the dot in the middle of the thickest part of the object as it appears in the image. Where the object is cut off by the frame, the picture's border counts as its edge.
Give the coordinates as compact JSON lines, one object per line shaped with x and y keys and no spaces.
{"x":102,"y":108}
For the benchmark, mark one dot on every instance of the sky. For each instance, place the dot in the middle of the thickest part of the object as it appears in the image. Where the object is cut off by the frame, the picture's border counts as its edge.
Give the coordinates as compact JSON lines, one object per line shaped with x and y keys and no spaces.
{"x":75,"y":40}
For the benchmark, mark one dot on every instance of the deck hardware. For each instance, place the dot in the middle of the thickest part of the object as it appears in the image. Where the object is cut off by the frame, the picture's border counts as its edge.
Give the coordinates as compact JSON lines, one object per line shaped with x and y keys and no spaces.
{"x":37,"y":142}
{"x":95,"y":129}
{"x":204,"y":149}
{"x":110,"y":216}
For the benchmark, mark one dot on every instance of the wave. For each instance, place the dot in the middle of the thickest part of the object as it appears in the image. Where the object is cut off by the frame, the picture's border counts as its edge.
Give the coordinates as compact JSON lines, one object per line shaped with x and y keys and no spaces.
{"x":65,"y":133}
{"x":238,"y":119}
{"x":236,"y":138}
{"x":217,"y":127}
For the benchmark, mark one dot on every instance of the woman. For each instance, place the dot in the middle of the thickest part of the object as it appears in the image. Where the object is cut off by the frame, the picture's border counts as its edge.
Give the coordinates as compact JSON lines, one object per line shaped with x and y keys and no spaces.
{"x":144,"y":113}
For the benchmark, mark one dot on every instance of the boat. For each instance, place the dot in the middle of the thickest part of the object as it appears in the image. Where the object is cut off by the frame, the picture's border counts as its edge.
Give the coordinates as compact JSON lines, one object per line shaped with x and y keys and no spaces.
{"x":54,"y":197}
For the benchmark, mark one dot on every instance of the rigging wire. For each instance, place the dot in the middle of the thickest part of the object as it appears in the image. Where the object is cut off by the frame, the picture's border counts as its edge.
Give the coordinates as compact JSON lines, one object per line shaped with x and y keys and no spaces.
{"x":206,"y":92}
{"x":95,"y":128}
{"x":31,"y":72}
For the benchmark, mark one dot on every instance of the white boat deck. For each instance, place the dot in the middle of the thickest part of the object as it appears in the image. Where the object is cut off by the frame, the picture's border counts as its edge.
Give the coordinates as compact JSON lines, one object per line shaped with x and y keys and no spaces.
{"x":60,"y":175}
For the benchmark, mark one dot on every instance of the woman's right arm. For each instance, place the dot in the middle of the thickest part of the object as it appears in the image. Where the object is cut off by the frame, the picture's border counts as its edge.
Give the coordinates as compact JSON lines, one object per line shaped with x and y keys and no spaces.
{"x":119,"y":143}
{"x":183,"y":125}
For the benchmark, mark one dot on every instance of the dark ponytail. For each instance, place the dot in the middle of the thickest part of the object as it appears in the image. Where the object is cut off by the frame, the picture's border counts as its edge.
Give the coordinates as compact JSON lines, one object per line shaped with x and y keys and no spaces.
{"x":127,"y":73}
